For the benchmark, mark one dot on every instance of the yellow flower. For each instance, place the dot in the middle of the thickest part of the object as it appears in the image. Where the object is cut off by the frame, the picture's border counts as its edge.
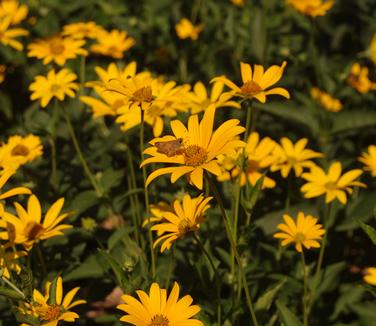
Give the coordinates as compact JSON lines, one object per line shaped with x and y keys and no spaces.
{"x":28,"y":228}
{"x":3,"y":69}
{"x":372,"y":49}
{"x":157,"y":211}
{"x":194,"y":149}
{"x":4,"y":177}
{"x":185,"y":217}
{"x":113,"y":44}
{"x":8,"y":35}
{"x":255,"y":84}
{"x":82,"y":30}
{"x":9,"y":259}
{"x":158,"y":309}
{"x":358,"y":79}
{"x":185,"y":29}
{"x":370,"y":276}
{"x":13,"y":9}
{"x":56,"y":48}
{"x":55,"y":85}
{"x":332,"y":184}
{"x":239,"y":3}
{"x":326,"y":101}
{"x":293,"y":156}
{"x":305,"y":232}
{"x":369,"y":160}
{"x":200,"y":99}
{"x":312,"y":8}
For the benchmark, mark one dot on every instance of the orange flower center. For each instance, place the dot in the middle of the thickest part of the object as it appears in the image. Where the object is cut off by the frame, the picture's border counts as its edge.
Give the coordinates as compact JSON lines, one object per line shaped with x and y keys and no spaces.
{"x":20,"y":150}
{"x":195,"y":155}
{"x":154,"y":111}
{"x":250,"y":88}
{"x":331,"y":185}
{"x":33,"y":230}
{"x":159,"y":320}
{"x":49,"y":312}
{"x":291,"y":160}
{"x":112,"y":49}
{"x":252,"y":166}
{"x":299,"y":237}
{"x":184,"y":227}
{"x":55,"y":88}
{"x":143,"y":94}
{"x":57,"y":47}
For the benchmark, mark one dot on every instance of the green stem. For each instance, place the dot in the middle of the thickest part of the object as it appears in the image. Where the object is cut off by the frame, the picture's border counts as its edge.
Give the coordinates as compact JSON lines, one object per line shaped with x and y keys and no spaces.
{"x":41,"y":259}
{"x":305,"y":285}
{"x":205,"y":252}
{"x":53,"y":162}
{"x":289,"y":191}
{"x":134,"y":213}
{"x":14,"y":287}
{"x":169,"y":269}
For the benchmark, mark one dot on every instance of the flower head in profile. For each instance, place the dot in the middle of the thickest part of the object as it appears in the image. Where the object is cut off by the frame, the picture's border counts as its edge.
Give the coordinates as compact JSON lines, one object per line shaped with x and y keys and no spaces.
{"x":195,"y":149}
{"x":358,"y":79}
{"x":27,"y":227}
{"x":54,"y":85}
{"x":13,"y":9}
{"x":290,"y":156}
{"x":4,"y":177}
{"x":185,"y":217}
{"x":311,"y":8}
{"x":332,"y":184}
{"x":370,"y":276}
{"x":256,"y":82}
{"x":113,"y":43}
{"x":328,"y":102}
{"x":8,"y":35}
{"x":185,"y":29}
{"x":82,"y":30}
{"x":305,"y":232}
{"x":369,"y":160}
{"x":156,"y":308}
{"x":8,"y":260}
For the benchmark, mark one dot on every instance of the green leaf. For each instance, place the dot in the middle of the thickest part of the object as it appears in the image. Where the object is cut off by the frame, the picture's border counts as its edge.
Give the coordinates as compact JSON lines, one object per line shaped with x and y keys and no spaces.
{"x":352,"y":121}
{"x":90,"y":268}
{"x":27,"y":319}
{"x":329,"y":277}
{"x":115,"y":266}
{"x":286,"y":316}
{"x":11,"y":294}
{"x":53,"y":291}
{"x":371,"y":232}
{"x":250,"y":202}
{"x":266,"y":300}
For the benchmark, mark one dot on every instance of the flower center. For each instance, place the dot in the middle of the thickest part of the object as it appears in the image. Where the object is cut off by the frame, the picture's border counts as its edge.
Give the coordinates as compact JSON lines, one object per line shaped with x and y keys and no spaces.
{"x":184,"y":227}
{"x":113,"y":49}
{"x":55,"y":88}
{"x":299,"y":237}
{"x":33,"y":230}
{"x":331,"y":185}
{"x":195,"y":155}
{"x":250,"y":88}
{"x":49,"y":313}
{"x":154,"y":111}
{"x":57,"y":47}
{"x":20,"y":150}
{"x":291,"y":160}
{"x":252,"y":166}
{"x":159,"y":320}
{"x":143,"y":94}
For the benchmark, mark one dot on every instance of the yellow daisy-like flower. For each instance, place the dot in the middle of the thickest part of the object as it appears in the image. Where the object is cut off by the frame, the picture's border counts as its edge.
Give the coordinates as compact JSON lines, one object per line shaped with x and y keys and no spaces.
{"x":200,"y":100}
{"x":3,"y":69}
{"x":56,"y":48}
{"x":311,"y":8}
{"x":28,"y":228}
{"x":305,"y":232}
{"x":8,"y":35}
{"x":113,"y":44}
{"x":194,"y":149}
{"x":9,"y":259}
{"x":156,"y":212}
{"x":239,"y":3}
{"x":82,"y":30}
{"x":185,"y":29}
{"x":55,"y":85}
{"x":328,"y":102}
{"x":293,"y":156}
{"x":358,"y":79}
{"x":156,"y":308}
{"x":13,"y":9}
{"x":332,"y":184}
{"x":372,"y":49}
{"x":370,"y":276}
{"x":185,"y":217}
{"x":4,"y":177}
{"x":255,"y":84}
{"x":369,"y":160}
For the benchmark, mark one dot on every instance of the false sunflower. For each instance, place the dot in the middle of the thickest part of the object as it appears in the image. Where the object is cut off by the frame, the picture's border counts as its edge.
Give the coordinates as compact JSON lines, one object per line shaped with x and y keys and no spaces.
{"x":370,"y":275}
{"x":358,"y":79}
{"x":156,"y":308}
{"x":311,"y":8}
{"x":193,"y":149}
{"x":82,"y":30}
{"x":4,"y":177}
{"x":369,"y":160}
{"x":14,"y":10}
{"x":328,"y":102}
{"x":255,"y":83}
{"x":185,"y":29}
{"x":332,"y":184}
{"x":306,"y":232}
{"x":8,"y":35}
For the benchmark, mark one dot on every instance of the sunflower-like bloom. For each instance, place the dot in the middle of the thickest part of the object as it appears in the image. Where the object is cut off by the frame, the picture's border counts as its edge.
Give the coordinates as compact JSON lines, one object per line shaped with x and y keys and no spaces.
{"x":239,"y":3}
{"x":28,"y":228}
{"x":4,"y":177}
{"x":311,"y":8}
{"x":372,"y":49}
{"x":8,"y":35}
{"x":8,"y":259}
{"x":52,"y":307}
{"x":293,"y":156}
{"x":199,"y":99}
{"x":185,"y":29}
{"x":55,"y":85}
{"x":113,"y":44}
{"x":358,"y":79}
{"x":370,"y":276}
{"x":56,"y":48}
{"x":194,"y":149}
{"x":255,"y":84}
{"x":332,"y":184}
{"x":13,"y":9}
{"x":185,"y":217}
{"x":369,"y":160}
{"x":156,"y":308}
{"x":82,"y":30}
{"x":305,"y":232}
{"x":328,"y":102}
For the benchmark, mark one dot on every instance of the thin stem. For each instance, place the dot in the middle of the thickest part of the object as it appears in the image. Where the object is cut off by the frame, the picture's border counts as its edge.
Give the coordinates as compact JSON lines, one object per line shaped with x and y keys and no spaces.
{"x":288,"y":192}
{"x":134,"y":213}
{"x":169,"y":269}
{"x":205,"y":252}
{"x":14,"y":287}
{"x":41,"y":259}
{"x":305,"y":285}
{"x":53,"y":162}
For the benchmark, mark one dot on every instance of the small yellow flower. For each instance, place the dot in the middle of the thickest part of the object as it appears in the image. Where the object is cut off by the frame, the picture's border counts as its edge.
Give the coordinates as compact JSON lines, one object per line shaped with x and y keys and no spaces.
{"x":328,"y":102}
{"x":113,"y":44}
{"x":332,"y":184}
{"x":28,"y":228}
{"x":13,"y":9}
{"x":370,"y":276}
{"x":9,"y":259}
{"x":8,"y":35}
{"x":185,"y":29}
{"x":372,"y":49}
{"x":55,"y":85}
{"x":239,"y":3}
{"x":82,"y":30}
{"x":156,"y":308}
{"x":311,"y":8}
{"x":255,"y":84}
{"x":56,"y":48}
{"x":305,"y":232}
{"x":369,"y":160}
{"x":358,"y":79}
{"x":293,"y":156}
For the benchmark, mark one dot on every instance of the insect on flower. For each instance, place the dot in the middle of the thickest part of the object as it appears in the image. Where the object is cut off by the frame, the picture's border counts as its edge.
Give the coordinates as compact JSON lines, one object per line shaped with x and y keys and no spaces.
{"x":171,"y":148}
